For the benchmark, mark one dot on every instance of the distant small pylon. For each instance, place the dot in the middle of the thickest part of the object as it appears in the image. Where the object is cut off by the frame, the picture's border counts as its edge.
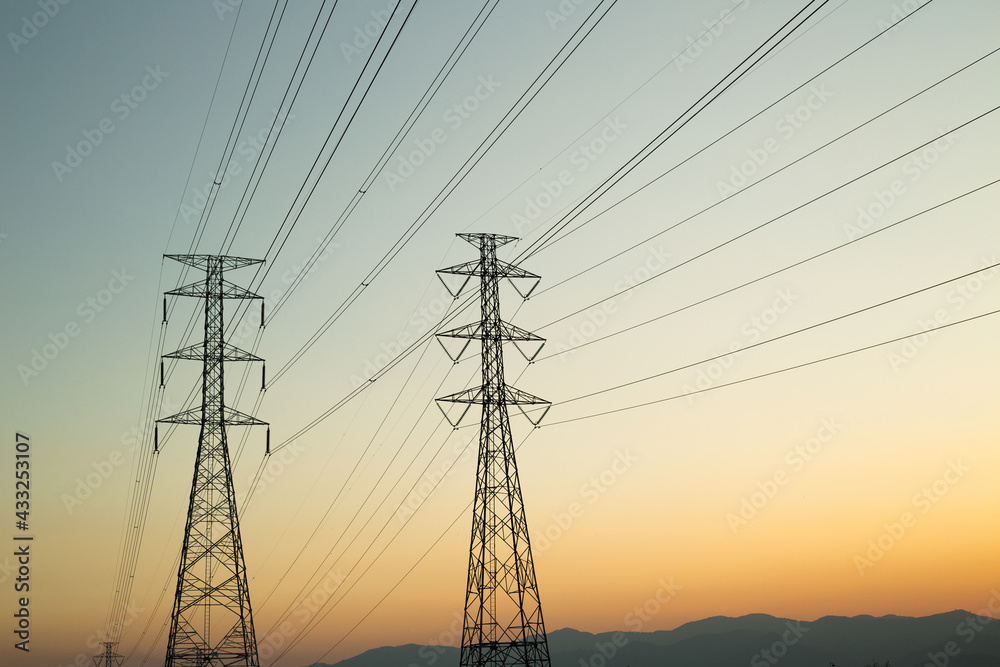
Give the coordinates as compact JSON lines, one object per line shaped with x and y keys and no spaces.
{"x":109,"y":658}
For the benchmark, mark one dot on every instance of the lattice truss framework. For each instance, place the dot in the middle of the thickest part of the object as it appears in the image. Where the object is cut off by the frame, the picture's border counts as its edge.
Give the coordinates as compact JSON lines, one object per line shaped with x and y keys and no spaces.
{"x":503,"y":612}
{"x":212,"y":621}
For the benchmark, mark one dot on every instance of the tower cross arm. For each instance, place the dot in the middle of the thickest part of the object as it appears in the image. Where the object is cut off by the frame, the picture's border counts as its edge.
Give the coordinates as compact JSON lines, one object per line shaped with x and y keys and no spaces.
{"x":523,"y":400}
{"x":508,"y":270}
{"x":497,"y":267}
{"x":512,"y":396}
{"x":200,"y":289}
{"x":225,"y":262}
{"x":194,"y":416}
{"x":237,"y":418}
{"x":197,"y":351}
{"x":515,"y":396}
{"x":471,"y":396}
{"x":474,"y":331}
{"x":503,"y":270}
{"x":463,"y":269}
{"x":480,"y":239}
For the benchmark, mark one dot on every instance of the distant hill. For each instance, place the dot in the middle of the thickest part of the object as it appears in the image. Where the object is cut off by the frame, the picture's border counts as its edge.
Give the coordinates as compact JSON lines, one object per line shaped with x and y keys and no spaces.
{"x":954,"y":639}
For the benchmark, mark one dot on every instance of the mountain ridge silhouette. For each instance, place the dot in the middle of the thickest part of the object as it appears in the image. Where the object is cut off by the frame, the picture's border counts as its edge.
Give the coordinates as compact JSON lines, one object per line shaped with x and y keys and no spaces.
{"x":950,"y":639}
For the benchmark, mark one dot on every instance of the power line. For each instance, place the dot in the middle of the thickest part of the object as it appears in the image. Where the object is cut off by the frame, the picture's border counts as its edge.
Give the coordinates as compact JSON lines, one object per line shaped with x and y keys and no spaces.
{"x":682,"y":162}
{"x":689,"y":114}
{"x":144,"y":507}
{"x":454,"y":181}
{"x":112,"y":605}
{"x":258,"y":279}
{"x":531,"y":251}
{"x":401,"y":134}
{"x":545,"y":246}
{"x":781,"y":337}
{"x":314,"y":625}
{"x":356,"y":293}
{"x":709,"y":27}
{"x":770,"y":373}
{"x":755,"y":228}
{"x":912,"y":293}
{"x":764,"y":178}
{"x":128,"y":562}
{"x":315,"y":622}
{"x":770,"y":274}
{"x":329,"y":136}
{"x":239,"y":123}
{"x":333,"y":502}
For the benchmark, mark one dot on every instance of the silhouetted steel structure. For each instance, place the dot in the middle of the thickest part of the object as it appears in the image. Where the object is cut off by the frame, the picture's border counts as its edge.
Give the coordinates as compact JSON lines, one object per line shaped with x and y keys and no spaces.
{"x":212,"y":623}
{"x":503,"y":613}
{"x":109,"y":658}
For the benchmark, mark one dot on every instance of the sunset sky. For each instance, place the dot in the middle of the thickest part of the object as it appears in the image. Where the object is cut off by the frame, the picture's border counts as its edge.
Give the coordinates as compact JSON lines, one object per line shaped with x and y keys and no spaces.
{"x":863,"y":484}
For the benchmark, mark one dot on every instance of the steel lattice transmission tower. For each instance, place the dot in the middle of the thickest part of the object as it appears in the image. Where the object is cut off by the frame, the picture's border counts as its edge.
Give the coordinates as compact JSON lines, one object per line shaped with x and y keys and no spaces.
{"x":212,"y":623}
{"x":503,"y":612}
{"x":108,"y":658}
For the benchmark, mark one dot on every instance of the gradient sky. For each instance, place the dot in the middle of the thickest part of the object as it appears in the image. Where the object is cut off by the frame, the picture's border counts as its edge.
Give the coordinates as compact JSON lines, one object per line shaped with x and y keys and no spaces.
{"x":620,"y":506}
